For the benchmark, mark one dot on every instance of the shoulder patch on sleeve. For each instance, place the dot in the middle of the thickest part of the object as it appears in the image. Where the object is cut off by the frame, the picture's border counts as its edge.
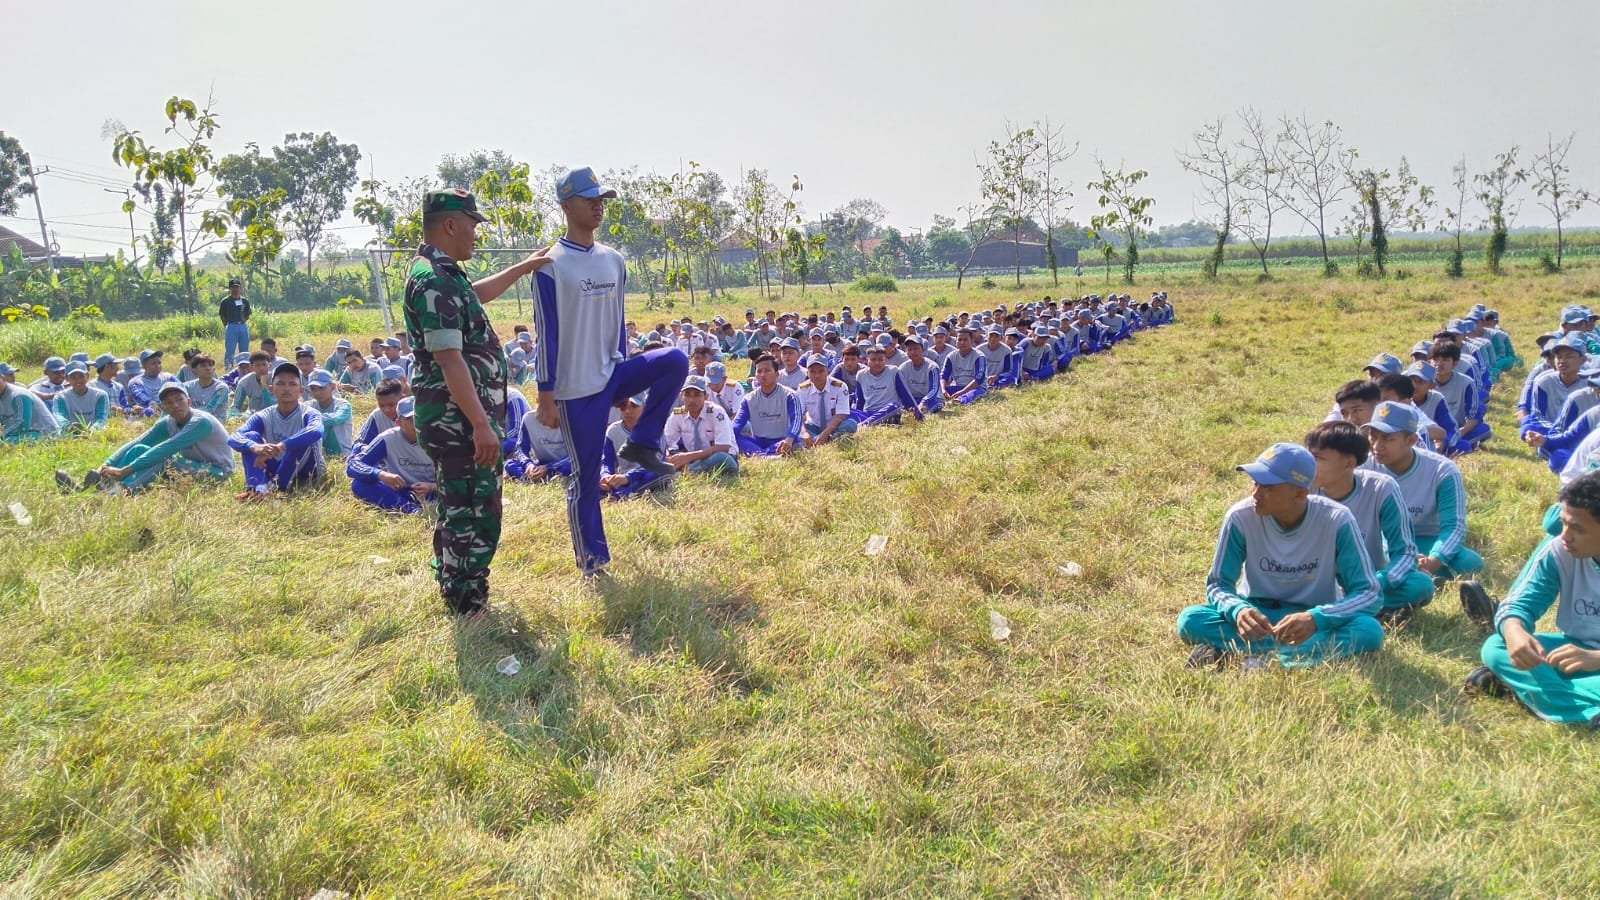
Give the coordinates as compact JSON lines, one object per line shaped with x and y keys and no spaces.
{"x":680,"y":410}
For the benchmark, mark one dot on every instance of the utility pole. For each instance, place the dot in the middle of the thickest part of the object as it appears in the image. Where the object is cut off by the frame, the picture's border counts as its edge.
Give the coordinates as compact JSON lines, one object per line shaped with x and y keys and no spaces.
{"x":44,"y":233}
{"x":133,"y":236}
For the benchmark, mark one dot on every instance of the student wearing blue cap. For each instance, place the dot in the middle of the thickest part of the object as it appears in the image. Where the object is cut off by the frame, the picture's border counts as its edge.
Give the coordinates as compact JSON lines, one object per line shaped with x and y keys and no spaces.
{"x":206,"y":391}
{"x":1377,"y":504}
{"x":771,"y":413}
{"x":965,"y":374}
{"x":722,"y":390}
{"x":790,"y":372}
{"x":1435,"y":494}
{"x":81,"y":408}
{"x":621,"y":478}
{"x":338,"y":431}
{"x":281,"y":446}
{"x":53,"y":382}
{"x":1549,"y":393}
{"x":996,"y":359}
{"x":1038,"y":360}
{"x":393,"y":471}
{"x":105,"y":381}
{"x":827,"y":406}
{"x":700,"y":434}
{"x":583,"y":368}
{"x":1311,"y":592}
{"x":1555,"y":673}
{"x":334,"y":364}
{"x":184,"y":441}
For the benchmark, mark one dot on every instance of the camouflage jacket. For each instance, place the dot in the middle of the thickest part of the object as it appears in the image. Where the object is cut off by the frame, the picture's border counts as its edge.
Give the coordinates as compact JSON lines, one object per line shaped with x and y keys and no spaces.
{"x":442,"y":312}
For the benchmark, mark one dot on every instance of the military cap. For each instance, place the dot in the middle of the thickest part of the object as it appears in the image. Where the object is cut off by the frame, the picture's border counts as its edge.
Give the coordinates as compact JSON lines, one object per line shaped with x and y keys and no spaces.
{"x":452,"y":200}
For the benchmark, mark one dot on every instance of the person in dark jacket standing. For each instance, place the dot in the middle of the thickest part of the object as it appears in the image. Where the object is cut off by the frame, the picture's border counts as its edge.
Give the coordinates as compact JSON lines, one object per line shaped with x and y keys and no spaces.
{"x":235,"y":314}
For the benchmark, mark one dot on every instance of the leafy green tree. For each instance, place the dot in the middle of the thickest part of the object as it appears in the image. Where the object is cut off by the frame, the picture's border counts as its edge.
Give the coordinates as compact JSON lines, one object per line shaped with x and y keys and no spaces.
{"x":464,"y":171}
{"x":186,"y":172}
{"x":14,"y":168}
{"x":1124,"y":210}
{"x":947,"y":244}
{"x":1496,"y":187}
{"x":760,"y":217}
{"x":318,"y":173}
{"x":257,"y":238}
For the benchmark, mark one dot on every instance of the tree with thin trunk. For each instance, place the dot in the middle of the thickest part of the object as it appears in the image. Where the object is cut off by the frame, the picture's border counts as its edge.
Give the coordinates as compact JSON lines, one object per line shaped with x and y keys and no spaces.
{"x":1552,"y":183}
{"x":1217,"y":164}
{"x":1260,"y":183}
{"x":1054,"y":193}
{"x":982,"y":224}
{"x":1496,"y":188}
{"x":187,"y":174}
{"x":1455,"y":218}
{"x":1124,"y":210}
{"x":318,"y":174}
{"x":1009,"y":184}
{"x":1314,"y":160}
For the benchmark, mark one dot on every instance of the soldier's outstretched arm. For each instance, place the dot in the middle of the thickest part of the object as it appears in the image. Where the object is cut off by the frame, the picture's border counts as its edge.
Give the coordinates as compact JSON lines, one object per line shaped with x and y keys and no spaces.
{"x":492,"y":286}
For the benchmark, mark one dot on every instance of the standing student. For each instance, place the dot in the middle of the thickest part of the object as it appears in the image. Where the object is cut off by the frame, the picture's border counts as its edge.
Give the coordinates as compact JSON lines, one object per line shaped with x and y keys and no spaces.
{"x":1377,"y":504}
{"x":183,"y":441}
{"x":1310,"y":591}
{"x":1556,"y":672}
{"x":583,"y":367}
{"x":234,"y":311}
{"x":459,"y":377}
{"x":281,"y":447}
{"x":1434,"y":492}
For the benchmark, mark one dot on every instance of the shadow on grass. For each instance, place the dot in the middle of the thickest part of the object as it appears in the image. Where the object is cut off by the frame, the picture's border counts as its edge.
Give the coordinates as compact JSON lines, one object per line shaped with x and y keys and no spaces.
{"x":540,"y":698}
{"x":1411,"y":690}
{"x":652,"y":614}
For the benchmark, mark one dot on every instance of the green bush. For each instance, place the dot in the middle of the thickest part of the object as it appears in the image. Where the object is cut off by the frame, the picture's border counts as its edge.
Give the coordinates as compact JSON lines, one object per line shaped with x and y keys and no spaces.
{"x":31,"y":341}
{"x":877,"y":284}
{"x":1456,"y":266}
{"x":1547,"y":264}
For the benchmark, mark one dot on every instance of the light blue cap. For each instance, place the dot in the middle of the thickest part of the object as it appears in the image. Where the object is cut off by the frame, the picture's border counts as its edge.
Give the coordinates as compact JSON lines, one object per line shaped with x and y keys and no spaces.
{"x":1282,"y":463}
{"x":582,"y":183}
{"x":77,"y":365}
{"x":392,"y":342}
{"x":55,"y":364}
{"x":393,"y":372}
{"x":130,"y":365}
{"x":320,"y":378}
{"x":1385,"y":362}
{"x":5,"y":369}
{"x":1423,"y":370}
{"x":79,"y":356}
{"x":716,"y":373}
{"x":103,"y":360}
{"x":407,"y":408}
{"x":342,"y":344}
{"x":694,"y":383}
{"x":241,"y":358}
{"x":1390,"y":417}
{"x":1571,"y":341}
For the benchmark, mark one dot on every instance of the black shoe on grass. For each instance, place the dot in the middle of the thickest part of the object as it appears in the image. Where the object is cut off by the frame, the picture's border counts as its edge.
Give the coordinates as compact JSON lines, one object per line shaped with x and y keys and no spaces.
{"x":1204,"y":655}
{"x":646,"y":457}
{"x":1485,"y":683}
{"x":66,"y":482}
{"x":1395,"y":618}
{"x":1477,"y":604}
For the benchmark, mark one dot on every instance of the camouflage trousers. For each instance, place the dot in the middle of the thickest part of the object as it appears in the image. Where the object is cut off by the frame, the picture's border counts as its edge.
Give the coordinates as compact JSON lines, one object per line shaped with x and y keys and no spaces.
{"x":468,"y":532}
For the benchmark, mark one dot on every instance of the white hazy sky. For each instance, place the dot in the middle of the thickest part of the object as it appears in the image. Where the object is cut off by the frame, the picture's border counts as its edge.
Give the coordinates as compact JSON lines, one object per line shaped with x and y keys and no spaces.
{"x":889,"y":100}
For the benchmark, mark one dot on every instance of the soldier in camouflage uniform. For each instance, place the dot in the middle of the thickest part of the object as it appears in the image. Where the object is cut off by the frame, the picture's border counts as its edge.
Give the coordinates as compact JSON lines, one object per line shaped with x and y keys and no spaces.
{"x":459,"y":382}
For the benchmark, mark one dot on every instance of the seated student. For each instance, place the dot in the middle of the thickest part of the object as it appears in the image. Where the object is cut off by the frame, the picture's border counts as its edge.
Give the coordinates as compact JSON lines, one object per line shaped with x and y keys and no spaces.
{"x":241,"y":368}
{"x":996,"y":359}
{"x":1430,"y":404}
{"x":1398,"y":388}
{"x":850,"y":365}
{"x":130,"y":369}
{"x":893,"y":356}
{"x":770,"y":412}
{"x":184,"y":441}
{"x":790,"y":373}
{"x":338,"y":434}
{"x":305,"y":359}
{"x":621,"y":478}
{"x":281,"y":446}
{"x":53,"y":382}
{"x":965,"y":375}
{"x":105,"y":381}
{"x":1506,"y":352}
{"x":883,"y":392}
{"x":941,"y":346}
{"x":144,"y":388}
{"x":360,"y":374}
{"x":1353,"y":402}
{"x":1461,"y":397}
{"x":1525,"y":395}
{"x":1090,"y":335}
{"x":207,"y":392}
{"x":1550,"y":391}
{"x":722,"y":390}
{"x":334,"y":364}
{"x":80,"y":408}
{"x":393,"y":471}
{"x":541,"y":452}
{"x":922,"y":377}
{"x":384,"y":417}
{"x":1559,"y":445}
{"x":23,"y":416}
{"x":186,"y":371}
{"x":1380,"y":513}
{"x":1038,"y":361}
{"x":1310,"y":591}
{"x":1555,"y":673}
{"x":270,"y":347}
{"x":700,"y":434}
{"x":826,"y":405}
{"x":253,"y":392}
{"x":1431,"y":484}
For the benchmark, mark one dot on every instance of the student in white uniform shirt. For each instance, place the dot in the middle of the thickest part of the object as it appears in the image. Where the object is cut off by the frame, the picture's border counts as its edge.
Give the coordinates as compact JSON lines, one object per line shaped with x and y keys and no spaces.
{"x":722,"y":390}
{"x":699,"y":434}
{"x":825,"y":402}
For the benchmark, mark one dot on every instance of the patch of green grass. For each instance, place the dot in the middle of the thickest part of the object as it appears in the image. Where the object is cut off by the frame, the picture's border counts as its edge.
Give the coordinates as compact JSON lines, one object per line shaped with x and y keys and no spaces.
{"x":199,"y":698}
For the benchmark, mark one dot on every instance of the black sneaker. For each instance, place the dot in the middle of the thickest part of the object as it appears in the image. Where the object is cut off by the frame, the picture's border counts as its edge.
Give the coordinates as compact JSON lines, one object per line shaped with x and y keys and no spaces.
{"x":1395,"y":618}
{"x":1204,"y":655}
{"x":91,"y":479}
{"x":646,"y":457}
{"x":1485,"y":683}
{"x":65,"y":481}
{"x":1440,"y":581}
{"x":1477,"y":604}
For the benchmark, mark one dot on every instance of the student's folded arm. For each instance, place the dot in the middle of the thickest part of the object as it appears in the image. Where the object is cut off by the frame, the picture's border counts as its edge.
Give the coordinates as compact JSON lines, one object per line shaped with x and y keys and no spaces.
{"x":367,"y":465}
{"x":310,"y":433}
{"x":1354,"y":573}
